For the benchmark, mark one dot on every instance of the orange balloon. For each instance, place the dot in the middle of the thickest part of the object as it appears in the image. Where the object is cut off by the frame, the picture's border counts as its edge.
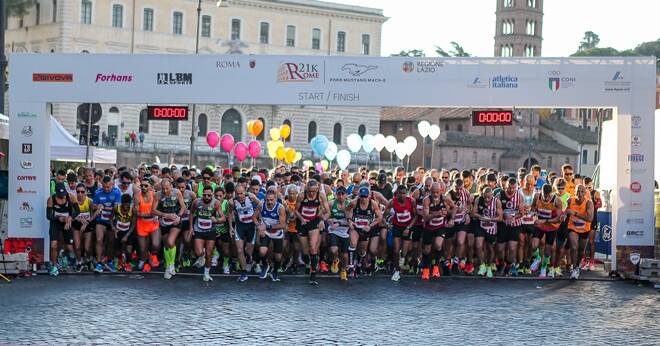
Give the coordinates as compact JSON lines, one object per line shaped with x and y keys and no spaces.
{"x":257,"y":127}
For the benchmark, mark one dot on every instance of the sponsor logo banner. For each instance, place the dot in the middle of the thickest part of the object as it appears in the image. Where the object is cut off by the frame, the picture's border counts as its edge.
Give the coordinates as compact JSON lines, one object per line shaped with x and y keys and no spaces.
{"x":290,"y":72}
{"x":113,"y":78}
{"x":26,"y":207}
{"x":26,"y":115}
{"x":53,"y":77}
{"x":26,"y":178}
{"x":26,"y":148}
{"x":27,"y":131}
{"x":26,"y":191}
{"x":253,"y":63}
{"x":636,"y":122}
{"x":635,"y":187}
{"x":25,"y":164}
{"x":25,"y":222}
{"x":635,"y":221}
{"x":422,"y":66}
{"x":231,"y":64}
{"x":635,"y":158}
{"x":617,"y":84}
{"x":177,"y":78}
{"x":358,"y":73}
{"x":557,"y":81}
{"x":495,"y":82}
{"x":636,"y":141}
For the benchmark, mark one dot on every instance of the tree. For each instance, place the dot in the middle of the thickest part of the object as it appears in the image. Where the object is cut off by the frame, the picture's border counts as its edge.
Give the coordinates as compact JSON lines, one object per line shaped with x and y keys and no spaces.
{"x":414,"y":53}
{"x":589,"y":41}
{"x":651,"y":48}
{"x":457,"y":51}
{"x":18,"y":8}
{"x":609,"y":51}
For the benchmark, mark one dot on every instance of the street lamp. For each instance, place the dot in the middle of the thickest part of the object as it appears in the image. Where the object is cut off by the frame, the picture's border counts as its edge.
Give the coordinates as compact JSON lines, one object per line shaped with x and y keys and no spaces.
{"x":219,"y":3}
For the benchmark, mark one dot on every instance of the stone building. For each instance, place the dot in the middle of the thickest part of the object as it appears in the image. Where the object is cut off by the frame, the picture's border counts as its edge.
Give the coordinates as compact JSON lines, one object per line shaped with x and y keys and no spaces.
{"x":290,"y":27}
{"x":518,"y":28}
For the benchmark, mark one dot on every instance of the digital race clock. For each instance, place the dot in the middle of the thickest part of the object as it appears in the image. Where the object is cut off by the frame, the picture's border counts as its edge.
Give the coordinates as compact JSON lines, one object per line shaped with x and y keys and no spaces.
{"x":167,"y":112}
{"x":492,"y":118}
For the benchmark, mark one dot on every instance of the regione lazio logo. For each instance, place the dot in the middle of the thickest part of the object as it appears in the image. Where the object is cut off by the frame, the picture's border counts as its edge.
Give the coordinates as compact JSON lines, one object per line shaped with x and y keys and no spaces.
{"x":408,"y":67}
{"x":298,"y":72}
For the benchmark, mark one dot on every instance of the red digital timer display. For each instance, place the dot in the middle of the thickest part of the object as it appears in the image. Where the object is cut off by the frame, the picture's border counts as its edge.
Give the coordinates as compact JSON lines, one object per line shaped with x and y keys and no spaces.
{"x":167,"y":112}
{"x":492,"y":118}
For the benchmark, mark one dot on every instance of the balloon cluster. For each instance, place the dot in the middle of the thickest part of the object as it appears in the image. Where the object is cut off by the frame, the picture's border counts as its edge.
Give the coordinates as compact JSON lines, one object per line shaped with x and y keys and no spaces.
{"x":276,"y":148}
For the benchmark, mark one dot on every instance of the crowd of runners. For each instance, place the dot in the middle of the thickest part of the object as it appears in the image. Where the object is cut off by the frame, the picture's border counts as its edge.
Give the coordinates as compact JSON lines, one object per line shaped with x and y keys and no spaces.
{"x":293,"y":220}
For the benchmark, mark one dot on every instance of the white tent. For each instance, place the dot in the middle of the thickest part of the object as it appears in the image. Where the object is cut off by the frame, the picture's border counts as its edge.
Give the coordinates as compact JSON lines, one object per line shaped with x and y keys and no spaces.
{"x":64,"y":147}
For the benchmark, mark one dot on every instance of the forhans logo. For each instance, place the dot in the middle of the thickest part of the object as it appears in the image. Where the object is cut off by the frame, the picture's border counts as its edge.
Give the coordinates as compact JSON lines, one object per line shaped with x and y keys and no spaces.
{"x":174,"y":78}
{"x":113,"y":78}
{"x":297,"y":72}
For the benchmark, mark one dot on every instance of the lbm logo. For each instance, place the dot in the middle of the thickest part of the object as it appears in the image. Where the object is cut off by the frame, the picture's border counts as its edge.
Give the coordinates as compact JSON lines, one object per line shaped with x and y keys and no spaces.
{"x":617,"y":76}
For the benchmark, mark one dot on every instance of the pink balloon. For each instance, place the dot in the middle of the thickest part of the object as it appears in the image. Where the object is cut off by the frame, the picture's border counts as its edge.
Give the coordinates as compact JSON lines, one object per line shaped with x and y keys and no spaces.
{"x":240,"y":151}
{"x":318,"y":167}
{"x":254,"y":149}
{"x":212,"y":139}
{"x":227,"y":142}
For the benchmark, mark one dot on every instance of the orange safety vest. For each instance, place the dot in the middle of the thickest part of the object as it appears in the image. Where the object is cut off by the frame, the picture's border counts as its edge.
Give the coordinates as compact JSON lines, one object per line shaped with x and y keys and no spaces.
{"x":574,"y":223}
{"x":546,"y":210}
{"x":146,"y":225}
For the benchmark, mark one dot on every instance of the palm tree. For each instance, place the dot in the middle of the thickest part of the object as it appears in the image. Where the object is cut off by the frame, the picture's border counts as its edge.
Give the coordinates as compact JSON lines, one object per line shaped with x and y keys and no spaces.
{"x":457,"y":51}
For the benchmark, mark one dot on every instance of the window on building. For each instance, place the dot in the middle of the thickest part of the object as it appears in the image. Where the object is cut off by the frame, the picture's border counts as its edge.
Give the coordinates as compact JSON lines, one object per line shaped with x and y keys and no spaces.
{"x":264,"y":32}
{"x":336,"y":134}
{"x":202,"y":125}
{"x":311,"y":131}
{"x":341,"y":42}
{"x":366,"y":43}
{"x":508,"y":26}
{"x":395,"y":128}
{"x":454,"y":156}
{"x":446,"y":127}
{"x":86,"y":12}
{"x":428,"y":140}
{"x":549,"y":162}
{"x":529,"y":50}
{"x":117,"y":16}
{"x":427,"y":161}
{"x":173,"y":128}
{"x":459,"y":128}
{"x":288,"y":122}
{"x":54,"y":11}
{"x":362,"y":130}
{"x":37,"y":12}
{"x":206,"y":26}
{"x":316,"y":38}
{"x":585,"y":153}
{"x":493,"y":158}
{"x":144,"y":122}
{"x":231,"y":123}
{"x":474,"y":157}
{"x":290,"y":36}
{"x":531,"y":3}
{"x":507,"y":50}
{"x":235,"y":29}
{"x":508,"y":3}
{"x":595,"y":157}
{"x":177,"y":23}
{"x":113,"y":110}
{"x":148,"y":19}
{"x":530,"y":28}
{"x":262,"y":135}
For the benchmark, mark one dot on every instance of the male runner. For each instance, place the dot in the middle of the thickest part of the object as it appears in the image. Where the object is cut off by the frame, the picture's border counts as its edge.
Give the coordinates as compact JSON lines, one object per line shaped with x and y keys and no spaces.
{"x":105,"y":200}
{"x":438,"y":211}
{"x":169,"y":208}
{"x":580,"y":213}
{"x":205,"y":212}
{"x":405,"y":211}
{"x":310,"y":222}
{"x":487,"y":212}
{"x":271,"y":220}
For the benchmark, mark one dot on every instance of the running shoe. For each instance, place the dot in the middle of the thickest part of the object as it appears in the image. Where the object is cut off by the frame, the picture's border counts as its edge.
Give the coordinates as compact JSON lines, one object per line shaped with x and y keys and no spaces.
{"x":79,"y":267}
{"x":482,"y":269}
{"x":225,"y":269}
{"x":54,"y":271}
{"x":153,"y":261}
{"x":535,"y":264}
{"x":127,"y":267}
{"x":558,"y":272}
{"x":469,"y":268}
{"x":214,"y":260}
{"x":200,"y":262}
{"x":436,"y":272}
{"x":380,"y":264}
{"x":489,"y":272}
{"x":146,"y":268}
{"x":264,"y":271}
{"x":592,"y":265}
{"x":323,"y":267}
{"x":256,"y":267}
{"x":577,"y":273}
{"x":111,"y":266}
{"x":513,"y":271}
{"x":396,"y":276}
{"x":98,"y":268}
{"x":312,"y":279}
{"x":169,"y":272}
{"x":275,"y":276}
{"x":543,"y":273}
{"x":243,"y":277}
{"x":402,"y":262}
{"x":343,"y":276}
{"x":551,"y":273}
{"x":426,"y":273}
{"x":584,"y":264}
{"x":462,"y":264}
{"x":334,"y":268}
{"x":207,"y":277}
{"x":186,"y":262}
{"x":140,"y":265}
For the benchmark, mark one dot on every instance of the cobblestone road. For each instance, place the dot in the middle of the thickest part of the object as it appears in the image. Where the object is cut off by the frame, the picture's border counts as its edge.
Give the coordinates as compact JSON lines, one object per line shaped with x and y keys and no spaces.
{"x":84,"y":309}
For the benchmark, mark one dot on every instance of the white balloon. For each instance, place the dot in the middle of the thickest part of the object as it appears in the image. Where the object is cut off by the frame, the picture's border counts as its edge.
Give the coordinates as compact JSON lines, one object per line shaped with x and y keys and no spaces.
{"x":423,"y":127}
{"x":379,"y":142}
{"x":434,"y":132}
{"x":401,"y":150}
{"x":354,"y":142}
{"x":368,"y":143}
{"x":390,"y":144}
{"x":331,"y":152}
{"x":411,"y":144}
{"x":343,"y":158}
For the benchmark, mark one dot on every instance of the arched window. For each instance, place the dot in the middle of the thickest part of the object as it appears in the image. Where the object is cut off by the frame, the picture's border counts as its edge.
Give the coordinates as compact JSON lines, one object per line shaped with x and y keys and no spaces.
{"x":311,"y":131}
{"x":288,"y":122}
{"x":336,"y":134}
{"x":231,"y":123}
{"x":202,"y":125}
{"x":173,"y":128}
{"x":144,"y":121}
{"x":460,"y":127}
{"x":362,"y":130}
{"x":113,"y":110}
{"x":261,"y":136}
{"x":454,"y":155}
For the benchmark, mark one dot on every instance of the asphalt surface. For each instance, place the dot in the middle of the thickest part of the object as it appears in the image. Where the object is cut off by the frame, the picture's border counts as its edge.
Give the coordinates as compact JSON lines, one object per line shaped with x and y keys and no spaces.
{"x":137,"y":309}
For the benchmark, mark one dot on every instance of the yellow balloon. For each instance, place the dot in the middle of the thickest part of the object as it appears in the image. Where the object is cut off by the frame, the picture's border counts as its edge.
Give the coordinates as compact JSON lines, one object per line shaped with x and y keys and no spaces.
{"x":290,"y":155}
{"x":249,"y":127}
{"x":274,"y":134}
{"x":280,"y":153}
{"x":298,"y":157}
{"x":272,"y":149}
{"x":279,"y":144}
{"x":285,"y":131}
{"x":324,"y":164}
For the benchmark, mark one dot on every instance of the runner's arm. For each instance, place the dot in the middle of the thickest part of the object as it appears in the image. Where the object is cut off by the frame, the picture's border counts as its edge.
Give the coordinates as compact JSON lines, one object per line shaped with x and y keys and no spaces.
{"x":379,"y":215}
{"x":325,"y":206}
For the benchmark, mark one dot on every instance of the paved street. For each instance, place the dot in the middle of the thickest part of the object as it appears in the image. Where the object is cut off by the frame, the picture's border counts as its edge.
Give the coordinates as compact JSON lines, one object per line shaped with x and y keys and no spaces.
{"x":83,"y":309}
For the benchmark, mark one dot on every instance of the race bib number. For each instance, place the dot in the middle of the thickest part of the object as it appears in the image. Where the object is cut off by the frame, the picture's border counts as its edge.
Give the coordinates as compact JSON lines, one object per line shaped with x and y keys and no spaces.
{"x":308,"y":212}
{"x":204,"y":224}
{"x":246,"y":218}
{"x":489,"y":226}
{"x":84,"y":216}
{"x":123,"y":226}
{"x":459,"y":217}
{"x":361,"y":223}
{"x":56,"y":214}
{"x":403,"y":217}
{"x":528,"y":219}
{"x":544,"y":213}
{"x":578,"y":223}
{"x":166,"y":221}
{"x":106,"y":214}
{"x":436,"y":222}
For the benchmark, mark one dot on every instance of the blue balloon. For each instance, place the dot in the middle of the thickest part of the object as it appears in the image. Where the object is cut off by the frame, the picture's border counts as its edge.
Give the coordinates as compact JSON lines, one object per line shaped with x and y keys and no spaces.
{"x":319,"y":144}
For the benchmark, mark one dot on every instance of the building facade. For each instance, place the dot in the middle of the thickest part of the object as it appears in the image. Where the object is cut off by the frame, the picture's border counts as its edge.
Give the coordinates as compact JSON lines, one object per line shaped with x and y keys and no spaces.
{"x":518,"y":28}
{"x":287,"y":27}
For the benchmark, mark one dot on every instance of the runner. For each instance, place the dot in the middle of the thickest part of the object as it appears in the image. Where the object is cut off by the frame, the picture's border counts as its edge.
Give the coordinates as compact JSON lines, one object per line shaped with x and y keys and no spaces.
{"x":242,"y":227}
{"x":528,"y":219}
{"x":508,"y":230}
{"x":185,"y":242}
{"x":124,"y":228}
{"x":412,"y":249}
{"x":580,"y":212}
{"x":291,"y":241}
{"x":105,"y":200}
{"x":147,"y":227}
{"x":547,"y":207}
{"x":463,"y":201}
{"x":438,"y":214}
{"x":487,"y":212}
{"x":222,"y":237}
{"x":339,"y":234}
{"x":81,"y":229}
{"x":61,"y":209}
{"x":309,"y":206}
{"x":271,"y":220}
{"x":364,"y":233}
{"x":404,"y":212}
{"x":594,"y":196}
{"x":169,"y":208}
{"x":205,"y":212}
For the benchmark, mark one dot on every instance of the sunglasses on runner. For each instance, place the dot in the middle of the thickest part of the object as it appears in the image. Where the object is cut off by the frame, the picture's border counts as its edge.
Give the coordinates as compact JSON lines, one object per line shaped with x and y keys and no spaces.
{"x":80,"y":191}
{"x":206,"y":177}
{"x":207,"y":195}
